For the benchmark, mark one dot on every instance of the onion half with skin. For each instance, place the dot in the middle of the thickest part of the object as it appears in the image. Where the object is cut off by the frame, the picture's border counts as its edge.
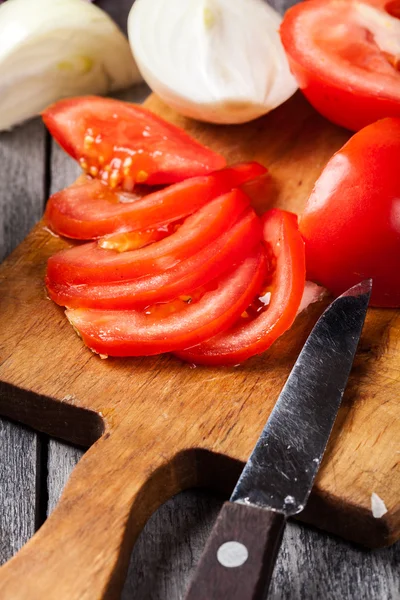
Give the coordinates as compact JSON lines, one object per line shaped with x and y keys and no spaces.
{"x":52,"y":49}
{"x":220,"y":61}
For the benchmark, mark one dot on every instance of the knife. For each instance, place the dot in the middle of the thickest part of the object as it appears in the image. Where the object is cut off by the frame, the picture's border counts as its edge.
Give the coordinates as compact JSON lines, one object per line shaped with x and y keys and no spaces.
{"x":240,"y":554}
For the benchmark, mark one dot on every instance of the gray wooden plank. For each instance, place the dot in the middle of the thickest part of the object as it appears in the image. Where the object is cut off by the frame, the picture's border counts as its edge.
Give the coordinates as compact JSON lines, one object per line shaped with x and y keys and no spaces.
{"x":314,"y":565}
{"x":169,"y":547}
{"x":22,"y":182}
{"x":22,"y":185}
{"x":19,"y":453}
{"x":62,"y":458}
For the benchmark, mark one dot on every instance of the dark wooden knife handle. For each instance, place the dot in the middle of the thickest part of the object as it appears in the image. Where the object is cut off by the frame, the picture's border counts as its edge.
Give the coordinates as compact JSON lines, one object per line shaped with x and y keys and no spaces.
{"x":239,"y":556}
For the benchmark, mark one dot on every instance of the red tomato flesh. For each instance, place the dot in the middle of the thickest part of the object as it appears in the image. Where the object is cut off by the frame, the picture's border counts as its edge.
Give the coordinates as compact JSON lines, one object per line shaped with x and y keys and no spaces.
{"x":345,"y":55}
{"x":90,"y":263}
{"x":124,"y":144}
{"x":135,"y":240}
{"x":351,"y":224}
{"x":135,"y":333}
{"x":257,"y":329}
{"x":89,"y":209}
{"x":196,"y":270}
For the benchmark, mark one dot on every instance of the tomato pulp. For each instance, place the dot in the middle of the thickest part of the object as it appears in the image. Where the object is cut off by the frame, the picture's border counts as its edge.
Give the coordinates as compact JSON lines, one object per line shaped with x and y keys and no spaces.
{"x":345,"y":55}
{"x":351,"y":224}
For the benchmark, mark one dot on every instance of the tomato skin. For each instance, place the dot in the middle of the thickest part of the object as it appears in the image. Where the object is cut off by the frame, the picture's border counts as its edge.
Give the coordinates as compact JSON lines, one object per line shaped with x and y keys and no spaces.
{"x":348,"y":95}
{"x":90,"y":210}
{"x":125,"y":144}
{"x":89,"y":263}
{"x":207,"y":264}
{"x":342,"y":106}
{"x":132,"y":333}
{"x":247,"y":338}
{"x":351,"y":224}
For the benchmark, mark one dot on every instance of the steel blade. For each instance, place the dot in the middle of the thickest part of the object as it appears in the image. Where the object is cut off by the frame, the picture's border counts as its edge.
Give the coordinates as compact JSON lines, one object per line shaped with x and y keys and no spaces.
{"x":282,"y":467}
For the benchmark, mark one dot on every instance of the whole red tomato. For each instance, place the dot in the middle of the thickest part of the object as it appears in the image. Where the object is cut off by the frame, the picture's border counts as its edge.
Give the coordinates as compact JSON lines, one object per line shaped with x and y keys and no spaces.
{"x":351,"y":224}
{"x":345,"y":55}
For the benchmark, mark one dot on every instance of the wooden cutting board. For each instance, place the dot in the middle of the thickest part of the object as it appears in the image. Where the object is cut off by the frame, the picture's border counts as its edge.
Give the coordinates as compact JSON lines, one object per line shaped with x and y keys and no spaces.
{"x":158,"y":425}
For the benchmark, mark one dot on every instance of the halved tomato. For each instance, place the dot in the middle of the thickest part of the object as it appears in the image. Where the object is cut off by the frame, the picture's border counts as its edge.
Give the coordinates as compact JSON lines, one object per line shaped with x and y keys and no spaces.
{"x":196,"y":270}
{"x":345,"y":55}
{"x":351,"y":223}
{"x":89,"y":209}
{"x":91,"y":263}
{"x":124,"y":144}
{"x":135,"y":333}
{"x":272,"y":313}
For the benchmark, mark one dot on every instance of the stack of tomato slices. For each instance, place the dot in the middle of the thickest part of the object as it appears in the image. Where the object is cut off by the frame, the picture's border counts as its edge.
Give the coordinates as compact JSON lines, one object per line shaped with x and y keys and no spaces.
{"x":188,"y":267}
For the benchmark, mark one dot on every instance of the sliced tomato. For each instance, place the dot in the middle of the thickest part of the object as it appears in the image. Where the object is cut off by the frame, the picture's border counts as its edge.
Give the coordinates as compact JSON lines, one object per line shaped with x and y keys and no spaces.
{"x":187,"y":275}
{"x":89,"y":209}
{"x":90,"y":263}
{"x":345,"y":55}
{"x":124,"y":144}
{"x":135,"y":333}
{"x":257,"y":329}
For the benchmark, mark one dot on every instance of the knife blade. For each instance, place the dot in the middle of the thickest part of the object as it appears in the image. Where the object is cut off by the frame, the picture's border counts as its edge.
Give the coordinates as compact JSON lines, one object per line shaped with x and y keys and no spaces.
{"x":276,"y":481}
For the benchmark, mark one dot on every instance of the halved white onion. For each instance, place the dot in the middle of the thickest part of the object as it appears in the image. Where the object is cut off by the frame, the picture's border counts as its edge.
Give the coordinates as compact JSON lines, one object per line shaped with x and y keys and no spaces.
{"x":220,"y":61}
{"x":52,"y":49}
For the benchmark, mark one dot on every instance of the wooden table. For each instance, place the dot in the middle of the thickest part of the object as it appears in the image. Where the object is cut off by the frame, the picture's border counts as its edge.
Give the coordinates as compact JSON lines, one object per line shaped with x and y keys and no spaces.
{"x":34,"y":468}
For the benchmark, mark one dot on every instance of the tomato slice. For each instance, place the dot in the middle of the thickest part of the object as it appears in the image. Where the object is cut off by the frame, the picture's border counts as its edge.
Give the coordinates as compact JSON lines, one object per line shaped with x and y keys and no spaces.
{"x":351,"y":224}
{"x":135,"y":333}
{"x":196,"y":270}
{"x":257,"y":329}
{"x":124,"y":144}
{"x":90,"y":263}
{"x":345,"y":55}
{"x":89,"y":209}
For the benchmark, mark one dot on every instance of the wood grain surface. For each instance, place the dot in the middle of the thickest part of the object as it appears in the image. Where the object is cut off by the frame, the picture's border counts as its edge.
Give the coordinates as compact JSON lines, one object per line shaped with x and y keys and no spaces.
{"x":154,"y":410}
